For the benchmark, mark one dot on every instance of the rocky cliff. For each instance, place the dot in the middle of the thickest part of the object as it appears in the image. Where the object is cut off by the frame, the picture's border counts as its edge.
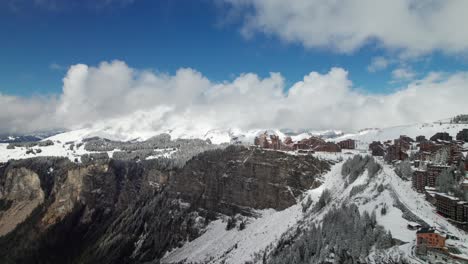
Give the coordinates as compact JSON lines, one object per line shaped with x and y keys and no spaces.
{"x":56,"y":211}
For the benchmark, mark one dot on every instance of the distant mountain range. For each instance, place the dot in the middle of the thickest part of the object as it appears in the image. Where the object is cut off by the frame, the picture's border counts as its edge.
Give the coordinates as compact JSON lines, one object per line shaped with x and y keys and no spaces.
{"x":31,"y":137}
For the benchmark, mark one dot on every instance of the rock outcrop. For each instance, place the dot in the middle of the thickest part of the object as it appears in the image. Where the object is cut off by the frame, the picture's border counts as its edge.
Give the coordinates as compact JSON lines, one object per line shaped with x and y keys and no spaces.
{"x":20,"y":194}
{"x":231,"y":180}
{"x":111,"y":211}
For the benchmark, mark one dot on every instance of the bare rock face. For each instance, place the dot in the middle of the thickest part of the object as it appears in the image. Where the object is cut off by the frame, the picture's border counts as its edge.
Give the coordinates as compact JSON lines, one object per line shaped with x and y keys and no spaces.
{"x":69,"y":193}
{"x":238,"y":178}
{"x":111,"y":211}
{"x":20,"y":193}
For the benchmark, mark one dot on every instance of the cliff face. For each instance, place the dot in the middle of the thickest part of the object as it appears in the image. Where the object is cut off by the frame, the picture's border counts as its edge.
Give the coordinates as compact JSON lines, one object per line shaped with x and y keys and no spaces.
{"x":231,"y":180}
{"x":56,"y":211}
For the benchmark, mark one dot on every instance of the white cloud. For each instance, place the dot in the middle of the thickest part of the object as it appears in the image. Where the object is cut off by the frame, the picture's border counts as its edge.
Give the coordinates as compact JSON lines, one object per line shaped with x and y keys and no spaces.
{"x":410,"y":26}
{"x":320,"y":101}
{"x":403,"y":74}
{"x":56,"y":67}
{"x":377,"y":64}
{"x":19,"y":115}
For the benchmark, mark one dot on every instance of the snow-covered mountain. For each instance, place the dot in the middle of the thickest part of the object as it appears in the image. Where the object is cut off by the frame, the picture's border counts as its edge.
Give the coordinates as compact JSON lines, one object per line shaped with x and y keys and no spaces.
{"x":267,"y":234}
{"x":270,"y":229}
{"x":136,"y":130}
{"x":366,"y":136}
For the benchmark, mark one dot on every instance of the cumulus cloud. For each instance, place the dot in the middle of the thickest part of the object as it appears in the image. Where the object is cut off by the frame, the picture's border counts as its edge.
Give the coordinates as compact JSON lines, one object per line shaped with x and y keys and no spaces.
{"x":377,"y":64}
{"x":22,"y":115}
{"x":410,"y":26}
{"x":403,"y":74}
{"x":112,"y":90}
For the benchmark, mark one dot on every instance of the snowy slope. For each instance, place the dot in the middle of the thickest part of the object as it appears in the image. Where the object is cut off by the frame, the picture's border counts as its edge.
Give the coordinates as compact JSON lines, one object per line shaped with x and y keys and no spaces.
{"x":218,"y":245}
{"x":427,"y":129}
{"x":136,"y":128}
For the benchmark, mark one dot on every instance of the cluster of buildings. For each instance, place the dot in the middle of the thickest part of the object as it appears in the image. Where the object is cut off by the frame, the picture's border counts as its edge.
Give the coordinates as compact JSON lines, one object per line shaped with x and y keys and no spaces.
{"x":438,"y":154}
{"x":431,"y":157}
{"x":397,"y":149}
{"x":311,"y":144}
{"x":436,"y":247}
{"x":440,"y":148}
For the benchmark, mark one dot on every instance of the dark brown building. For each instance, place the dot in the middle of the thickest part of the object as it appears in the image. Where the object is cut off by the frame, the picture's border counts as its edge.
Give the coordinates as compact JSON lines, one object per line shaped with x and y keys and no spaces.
{"x":420,"y":139}
{"x":262,"y":141}
{"x":299,"y":145}
{"x":455,"y":154}
{"x":406,"y":138}
{"x":427,"y":146}
{"x":328,"y":147}
{"x":275,"y":142}
{"x":447,"y":205}
{"x":394,"y":152}
{"x":419,"y":180}
{"x":347,"y":144}
{"x":462,"y":217}
{"x":463,"y":135}
{"x":444,"y":136}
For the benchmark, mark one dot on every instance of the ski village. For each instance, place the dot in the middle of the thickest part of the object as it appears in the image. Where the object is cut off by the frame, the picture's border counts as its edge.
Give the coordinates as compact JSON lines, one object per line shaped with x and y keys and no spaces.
{"x":389,"y":195}
{"x":436,"y":168}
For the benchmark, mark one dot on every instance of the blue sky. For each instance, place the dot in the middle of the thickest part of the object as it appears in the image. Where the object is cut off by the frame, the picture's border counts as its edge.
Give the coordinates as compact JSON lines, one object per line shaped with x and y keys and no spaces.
{"x":74,"y":63}
{"x":39,"y":42}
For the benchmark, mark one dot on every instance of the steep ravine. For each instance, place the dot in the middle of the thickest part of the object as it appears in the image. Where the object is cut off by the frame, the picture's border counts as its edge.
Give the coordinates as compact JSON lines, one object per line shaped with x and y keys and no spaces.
{"x":134,"y":211}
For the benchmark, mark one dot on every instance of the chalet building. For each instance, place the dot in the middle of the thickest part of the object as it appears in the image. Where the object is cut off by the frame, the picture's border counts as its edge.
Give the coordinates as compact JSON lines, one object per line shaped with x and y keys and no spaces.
{"x":420,"y":139}
{"x":328,"y":147}
{"x":443,"y":136}
{"x":455,"y":154}
{"x":433,"y":245}
{"x":347,"y":144}
{"x":394,"y":152}
{"x":430,"y":238}
{"x":299,"y":145}
{"x":288,"y":141}
{"x":262,"y":141}
{"x":374,"y":144}
{"x":275,"y":142}
{"x":402,"y":144}
{"x":419,"y":180}
{"x":406,"y":139}
{"x":427,"y":146}
{"x":463,"y":135}
{"x":462,"y":216}
{"x":431,"y":195}
{"x":433,"y":171}
{"x":378,"y":151}
{"x":313,"y":142}
{"x":447,"y":205}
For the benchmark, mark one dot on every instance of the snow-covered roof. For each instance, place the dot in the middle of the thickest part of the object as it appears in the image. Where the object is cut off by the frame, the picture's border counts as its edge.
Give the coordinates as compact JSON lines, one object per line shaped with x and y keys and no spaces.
{"x":448,"y":196}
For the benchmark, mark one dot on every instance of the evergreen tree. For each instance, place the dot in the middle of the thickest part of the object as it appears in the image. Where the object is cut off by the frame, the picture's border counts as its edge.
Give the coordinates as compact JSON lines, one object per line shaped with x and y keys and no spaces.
{"x":445,"y":182}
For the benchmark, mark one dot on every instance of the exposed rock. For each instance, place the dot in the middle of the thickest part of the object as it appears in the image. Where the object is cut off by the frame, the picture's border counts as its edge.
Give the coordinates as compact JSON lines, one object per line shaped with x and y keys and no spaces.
{"x":236,"y":178}
{"x":110,"y":211}
{"x":21,"y":192}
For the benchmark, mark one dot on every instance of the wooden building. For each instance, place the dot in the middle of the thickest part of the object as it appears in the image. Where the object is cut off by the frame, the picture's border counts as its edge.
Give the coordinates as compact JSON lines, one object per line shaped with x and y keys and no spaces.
{"x":443,"y":136}
{"x":419,"y":180}
{"x":347,"y":144}
{"x":447,"y":205}
{"x":463,"y":135}
{"x":328,"y":147}
{"x":420,"y":139}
